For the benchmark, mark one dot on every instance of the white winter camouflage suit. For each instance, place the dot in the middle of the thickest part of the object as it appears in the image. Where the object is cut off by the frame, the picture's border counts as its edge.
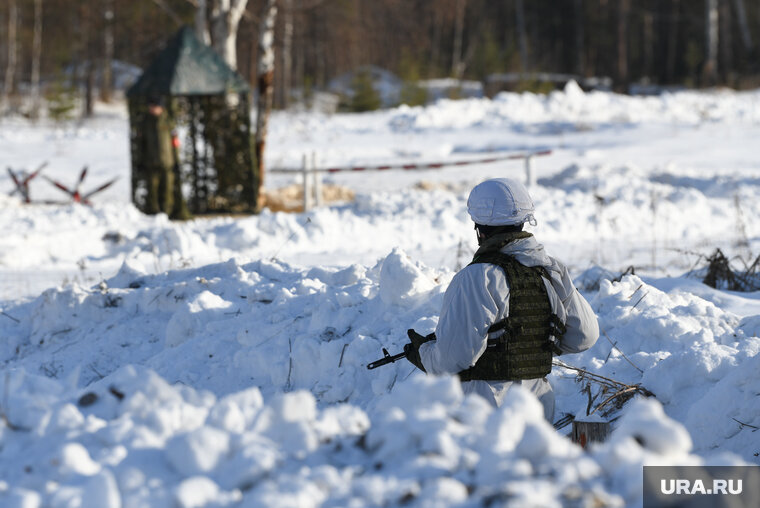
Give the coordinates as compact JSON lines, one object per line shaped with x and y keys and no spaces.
{"x":478,"y":297}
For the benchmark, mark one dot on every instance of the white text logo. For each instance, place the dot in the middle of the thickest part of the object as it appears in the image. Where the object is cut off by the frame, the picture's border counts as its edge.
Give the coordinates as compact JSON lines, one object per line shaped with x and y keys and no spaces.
{"x":680,"y":487}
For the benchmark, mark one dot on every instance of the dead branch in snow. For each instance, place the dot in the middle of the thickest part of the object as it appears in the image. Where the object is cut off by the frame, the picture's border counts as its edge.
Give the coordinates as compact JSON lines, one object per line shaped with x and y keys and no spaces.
{"x":620,"y":392}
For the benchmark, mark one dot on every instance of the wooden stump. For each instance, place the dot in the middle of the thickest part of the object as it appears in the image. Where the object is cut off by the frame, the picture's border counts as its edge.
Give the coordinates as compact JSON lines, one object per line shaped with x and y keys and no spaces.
{"x":589,"y":432}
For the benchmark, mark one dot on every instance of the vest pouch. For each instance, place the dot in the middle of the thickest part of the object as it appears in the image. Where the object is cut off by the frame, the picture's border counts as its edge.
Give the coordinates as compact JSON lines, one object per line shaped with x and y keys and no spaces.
{"x":525,"y":348}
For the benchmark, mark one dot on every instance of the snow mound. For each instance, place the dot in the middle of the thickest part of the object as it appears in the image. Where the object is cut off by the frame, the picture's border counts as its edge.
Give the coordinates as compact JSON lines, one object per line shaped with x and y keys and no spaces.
{"x":401,"y":281}
{"x":131,"y":439}
{"x":573,"y":107}
{"x":692,"y":355}
{"x":227,"y":327}
{"x":278,"y":327}
{"x":219,"y":384}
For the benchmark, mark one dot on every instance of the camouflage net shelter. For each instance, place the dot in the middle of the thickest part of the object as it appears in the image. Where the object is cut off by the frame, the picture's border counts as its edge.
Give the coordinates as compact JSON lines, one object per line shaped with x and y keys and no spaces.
{"x":208,"y":104}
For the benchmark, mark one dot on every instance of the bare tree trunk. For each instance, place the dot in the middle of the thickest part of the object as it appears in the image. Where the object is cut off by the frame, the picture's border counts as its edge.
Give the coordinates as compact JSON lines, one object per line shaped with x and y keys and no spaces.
{"x":85,"y":26}
{"x":299,"y":60}
{"x":648,"y":43}
{"x":579,"y":37}
{"x":741,"y":15}
{"x":287,"y":54}
{"x":89,"y":87}
{"x":356,"y":35}
{"x":457,"y":66}
{"x":201,"y":21}
{"x":225,"y":18}
{"x":265,"y":78}
{"x":10,"y":69}
{"x":36,"y":56}
{"x":522,"y":35}
{"x":624,"y":7}
{"x":106,"y":87}
{"x":725,"y":42}
{"x":710,"y":68}
{"x":435,"y":43}
{"x":670,"y":67}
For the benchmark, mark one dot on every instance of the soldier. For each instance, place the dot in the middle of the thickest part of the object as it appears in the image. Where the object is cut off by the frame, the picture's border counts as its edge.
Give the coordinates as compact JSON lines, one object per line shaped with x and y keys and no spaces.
{"x":159,"y":157}
{"x":506,"y":314}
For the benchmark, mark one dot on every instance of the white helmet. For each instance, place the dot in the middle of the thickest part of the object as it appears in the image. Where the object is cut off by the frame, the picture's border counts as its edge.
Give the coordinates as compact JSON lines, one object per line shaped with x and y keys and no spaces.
{"x":500,"y":202}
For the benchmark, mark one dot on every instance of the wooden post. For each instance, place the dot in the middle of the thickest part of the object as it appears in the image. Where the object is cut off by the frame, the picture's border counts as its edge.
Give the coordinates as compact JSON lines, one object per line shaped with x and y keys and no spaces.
{"x":529,"y":180}
{"x":306,"y":184}
{"x":589,"y":432}
{"x":317,"y":180}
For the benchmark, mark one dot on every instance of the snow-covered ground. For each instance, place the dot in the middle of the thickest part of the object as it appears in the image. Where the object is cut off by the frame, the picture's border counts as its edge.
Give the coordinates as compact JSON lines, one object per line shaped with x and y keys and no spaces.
{"x":221,"y":361}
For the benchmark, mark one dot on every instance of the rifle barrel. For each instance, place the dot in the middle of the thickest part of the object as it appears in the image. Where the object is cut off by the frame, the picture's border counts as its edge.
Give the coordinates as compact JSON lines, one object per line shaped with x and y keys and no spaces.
{"x":385,"y":360}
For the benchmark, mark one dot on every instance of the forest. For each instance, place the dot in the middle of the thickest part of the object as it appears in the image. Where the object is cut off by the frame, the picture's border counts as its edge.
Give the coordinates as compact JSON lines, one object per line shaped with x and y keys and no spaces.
{"x":51,"y":45}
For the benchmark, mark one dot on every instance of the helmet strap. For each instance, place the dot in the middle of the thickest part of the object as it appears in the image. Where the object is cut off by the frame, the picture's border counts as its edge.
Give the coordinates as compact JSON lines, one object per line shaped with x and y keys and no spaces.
{"x":484,"y":232}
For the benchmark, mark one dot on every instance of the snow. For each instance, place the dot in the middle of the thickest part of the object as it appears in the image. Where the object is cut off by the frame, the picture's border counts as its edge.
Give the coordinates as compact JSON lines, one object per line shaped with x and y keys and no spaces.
{"x":221,"y":361}
{"x":401,"y":281}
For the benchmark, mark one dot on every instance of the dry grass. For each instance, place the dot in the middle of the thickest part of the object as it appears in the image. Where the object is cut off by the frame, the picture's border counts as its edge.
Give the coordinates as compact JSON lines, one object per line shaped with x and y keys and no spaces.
{"x":720,"y":274}
{"x":427,"y":185}
{"x":290,"y":199}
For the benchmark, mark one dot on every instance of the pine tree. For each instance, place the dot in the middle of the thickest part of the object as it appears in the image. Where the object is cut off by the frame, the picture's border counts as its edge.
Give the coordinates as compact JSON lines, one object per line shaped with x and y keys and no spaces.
{"x":365,"y":96}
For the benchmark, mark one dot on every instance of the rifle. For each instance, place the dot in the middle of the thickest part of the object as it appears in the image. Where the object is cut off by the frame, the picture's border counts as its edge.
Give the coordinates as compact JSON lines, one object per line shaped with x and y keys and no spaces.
{"x":386,"y":359}
{"x":415,"y":337}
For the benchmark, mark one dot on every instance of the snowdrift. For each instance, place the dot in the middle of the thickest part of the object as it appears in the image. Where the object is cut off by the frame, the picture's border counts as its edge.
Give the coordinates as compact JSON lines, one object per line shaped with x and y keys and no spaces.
{"x":614,"y":216}
{"x":247,"y":384}
{"x":139,"y":441}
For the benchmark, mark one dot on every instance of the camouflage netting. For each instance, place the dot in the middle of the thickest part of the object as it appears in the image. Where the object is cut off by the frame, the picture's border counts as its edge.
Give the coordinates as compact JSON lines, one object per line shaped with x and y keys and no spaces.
{"x":208,"y":104}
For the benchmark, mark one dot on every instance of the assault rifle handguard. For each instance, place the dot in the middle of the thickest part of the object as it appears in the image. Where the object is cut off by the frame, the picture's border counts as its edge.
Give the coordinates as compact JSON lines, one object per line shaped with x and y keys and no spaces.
{"x":415,"y":337}
{"x":386,"y":359}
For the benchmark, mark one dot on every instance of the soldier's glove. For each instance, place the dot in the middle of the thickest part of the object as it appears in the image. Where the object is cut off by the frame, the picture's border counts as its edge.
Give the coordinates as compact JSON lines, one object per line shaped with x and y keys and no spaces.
{"x":418,"y":339}
{"x":413,"y":350}
{"x":413,"y":355}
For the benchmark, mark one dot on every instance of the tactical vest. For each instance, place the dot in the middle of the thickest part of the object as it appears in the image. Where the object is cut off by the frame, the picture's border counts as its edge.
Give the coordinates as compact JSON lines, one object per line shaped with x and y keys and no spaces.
{"x":524,"y":348}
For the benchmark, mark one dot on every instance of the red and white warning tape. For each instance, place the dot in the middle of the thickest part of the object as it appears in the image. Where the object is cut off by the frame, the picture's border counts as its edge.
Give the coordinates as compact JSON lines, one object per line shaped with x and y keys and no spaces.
{"x":423,"y":166}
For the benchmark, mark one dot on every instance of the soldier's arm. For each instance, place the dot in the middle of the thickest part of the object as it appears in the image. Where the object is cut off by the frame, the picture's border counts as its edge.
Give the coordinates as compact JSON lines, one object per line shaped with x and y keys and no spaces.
{"x":469,"y":308}
{"x":581,"y":322}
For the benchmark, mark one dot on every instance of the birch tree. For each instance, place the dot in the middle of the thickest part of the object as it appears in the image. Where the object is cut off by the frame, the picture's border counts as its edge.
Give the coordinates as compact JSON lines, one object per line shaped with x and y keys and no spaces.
{"x":287,"y":53}
{"x":265,"y":72}
{"x":225,"y":19}
{"x":201,"y":21}
{"x":710,"y":69}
